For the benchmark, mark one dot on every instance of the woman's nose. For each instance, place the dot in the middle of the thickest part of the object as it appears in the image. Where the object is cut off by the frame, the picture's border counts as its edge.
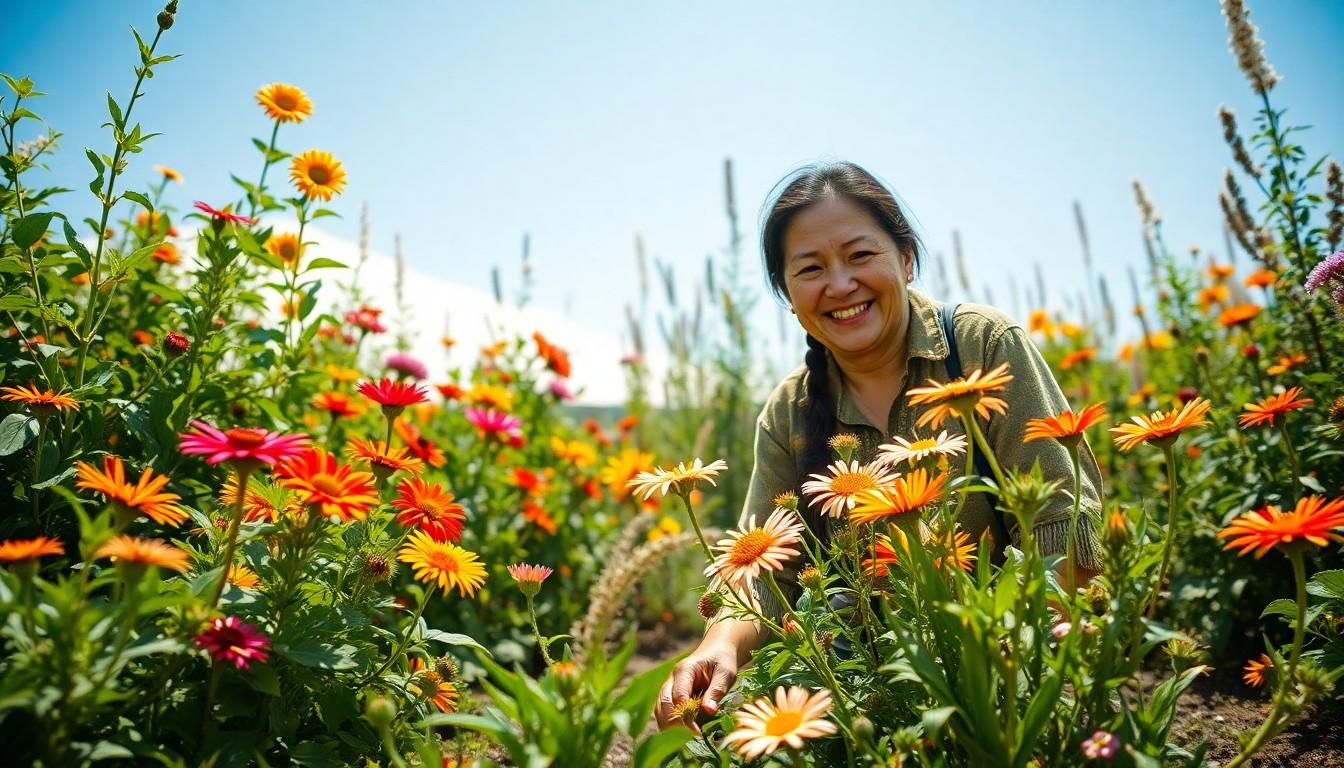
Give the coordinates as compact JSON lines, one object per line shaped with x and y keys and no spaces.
{"x":840,"y":281}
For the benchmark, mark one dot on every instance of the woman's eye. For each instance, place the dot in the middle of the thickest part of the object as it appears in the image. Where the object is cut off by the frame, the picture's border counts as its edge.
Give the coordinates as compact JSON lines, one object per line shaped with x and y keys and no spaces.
{"x":807,"y":269}
{"x":860,"y":255}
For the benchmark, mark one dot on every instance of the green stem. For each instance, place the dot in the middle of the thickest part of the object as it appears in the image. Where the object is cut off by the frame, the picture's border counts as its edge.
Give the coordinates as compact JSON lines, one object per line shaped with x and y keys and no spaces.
{"x":972,"y":427}
{"x":86,"y":335}
{"x":1292,"y":453}
{"x":37,"y":468}
{"x":405,"y":639}
{"x":1173,"y":513}
{"x":536,"y":632}
{"x":695,"y":523}
{"x":1072,"y":550}
{"x":261,"y":184}
{"x":1273,"y":723}
{"x":231,"y":540}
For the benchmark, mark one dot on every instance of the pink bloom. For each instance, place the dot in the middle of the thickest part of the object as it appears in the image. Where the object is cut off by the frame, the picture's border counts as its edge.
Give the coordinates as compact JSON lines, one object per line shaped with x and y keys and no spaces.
{"x":1102,"y":746}
{"x":632,"y":359}
{"x":492,"y":423}
{"x":1061,"y":630}
{"x":529,"y":574}
{"x":241,"y":445}
{"x":560,"y":390}
{"x":406,"y":365}
{"x":1330,"y":268}
{"x":367,"y":318}
{"x":229,"y":639}
{"x":219,"y":215}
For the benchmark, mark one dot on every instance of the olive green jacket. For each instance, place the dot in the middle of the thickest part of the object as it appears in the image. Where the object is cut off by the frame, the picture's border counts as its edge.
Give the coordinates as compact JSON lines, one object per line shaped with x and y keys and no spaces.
{"x":986,"y":337}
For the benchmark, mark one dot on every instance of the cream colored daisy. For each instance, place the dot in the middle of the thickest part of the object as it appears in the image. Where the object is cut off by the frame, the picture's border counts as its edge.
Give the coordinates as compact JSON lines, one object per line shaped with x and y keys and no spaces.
{"x":794,"y":716}
{"x":915,"y":451}
{"x":748,"y":552}
{"x":680,"y":481}
{"x":838,"y":492}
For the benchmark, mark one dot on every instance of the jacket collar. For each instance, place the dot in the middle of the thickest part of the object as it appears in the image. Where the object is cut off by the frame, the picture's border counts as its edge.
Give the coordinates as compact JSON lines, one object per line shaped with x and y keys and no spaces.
{"x":924,"y":338}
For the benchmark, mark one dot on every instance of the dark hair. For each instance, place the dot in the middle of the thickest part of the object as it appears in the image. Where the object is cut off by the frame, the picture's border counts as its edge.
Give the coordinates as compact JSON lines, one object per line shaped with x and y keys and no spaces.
{"x":803,"y":188}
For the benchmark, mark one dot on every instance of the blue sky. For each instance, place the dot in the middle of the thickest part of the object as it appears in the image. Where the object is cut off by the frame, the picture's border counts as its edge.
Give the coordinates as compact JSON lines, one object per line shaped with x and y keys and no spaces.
{"x":466,"y":125}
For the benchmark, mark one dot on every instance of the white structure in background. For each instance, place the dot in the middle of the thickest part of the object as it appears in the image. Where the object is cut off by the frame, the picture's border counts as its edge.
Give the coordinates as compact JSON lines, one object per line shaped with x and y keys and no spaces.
{"x":598,"y":377}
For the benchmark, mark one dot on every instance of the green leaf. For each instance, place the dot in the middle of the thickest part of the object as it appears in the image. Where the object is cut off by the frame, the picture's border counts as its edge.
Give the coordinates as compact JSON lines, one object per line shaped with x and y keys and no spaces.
{"x":16,"y":301}
{"x":453,"y":638}
{"x":652,"y":751}
{"x":114,"y":110}
{"x":934,"y":720}
{"x":312,"y":653}
{"x":16,"y":431}
{"x":31,"y":228}
{"x":324,"y":263}
{"x":639,"y":696}
{"x":139,"y":198}
{"x":1327,"y":584}
{"x":98,"y":166}
{"x":1281,"y":607}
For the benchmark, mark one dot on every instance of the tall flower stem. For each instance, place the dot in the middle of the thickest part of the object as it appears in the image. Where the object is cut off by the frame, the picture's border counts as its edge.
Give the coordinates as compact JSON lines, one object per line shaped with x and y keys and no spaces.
{"x":261,"y":184}
{"x":1173,"y":513}
{"x":108,"y":200}
{"x":1292,"y":454}
{"x":243,"y":474}
{"x":405,"y":636}
{"x":1072,"y":546}
{"x":1272,"y":724}
{"x":695,"y":523}
{"x":973,"y":428}
{"x":536,"y":632}
{"x":33,"y":491}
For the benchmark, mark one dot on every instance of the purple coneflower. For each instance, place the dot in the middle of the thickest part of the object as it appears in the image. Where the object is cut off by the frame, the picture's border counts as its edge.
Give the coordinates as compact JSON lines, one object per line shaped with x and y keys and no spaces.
{"x":406,"y":365}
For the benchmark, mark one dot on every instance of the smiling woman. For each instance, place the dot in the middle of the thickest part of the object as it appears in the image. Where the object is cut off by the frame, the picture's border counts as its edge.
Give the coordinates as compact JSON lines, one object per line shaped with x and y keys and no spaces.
{"x":839,"y":250}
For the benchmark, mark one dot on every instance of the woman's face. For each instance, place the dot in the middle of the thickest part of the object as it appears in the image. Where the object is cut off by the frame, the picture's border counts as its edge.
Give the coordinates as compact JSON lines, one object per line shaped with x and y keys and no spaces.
{"x":846,"y":278}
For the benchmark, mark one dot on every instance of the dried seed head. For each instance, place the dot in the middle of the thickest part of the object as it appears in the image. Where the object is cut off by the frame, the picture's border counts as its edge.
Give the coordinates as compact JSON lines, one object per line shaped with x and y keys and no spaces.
{"x":446,"y":668}
{"x":1337,"y":412}
{"x":845,"y":444}
{"x":1245,"y":43}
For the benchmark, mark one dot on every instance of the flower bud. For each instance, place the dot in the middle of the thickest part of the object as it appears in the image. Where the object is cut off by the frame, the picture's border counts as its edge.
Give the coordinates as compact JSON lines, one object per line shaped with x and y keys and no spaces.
{"x":1337,"y":412}
{"x":787,"y":500}
{"x":1118,"y":531}
{"x":1251,"y":351}
{"x":710,"y":603}
{"x":166,"y":16}
{"x":447,"y":668}
{"x":810,"y":577}
{"x":380,"y":711}
{"x":1097,"y":597}
{"x":793,"y":633}
{"x":863,"y":729}
{"x":1186,"y":394}
{"x":175,"y":344}
{"x":844,"y":445}
{"x":377,"y":568}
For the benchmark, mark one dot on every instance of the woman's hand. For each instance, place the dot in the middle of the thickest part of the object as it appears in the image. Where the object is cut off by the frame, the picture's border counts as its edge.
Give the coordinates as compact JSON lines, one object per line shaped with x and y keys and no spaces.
{"x":708,"y":673}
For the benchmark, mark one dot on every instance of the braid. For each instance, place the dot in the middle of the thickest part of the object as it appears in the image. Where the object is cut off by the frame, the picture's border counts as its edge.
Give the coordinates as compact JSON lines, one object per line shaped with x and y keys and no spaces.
{"x":819,"y":423}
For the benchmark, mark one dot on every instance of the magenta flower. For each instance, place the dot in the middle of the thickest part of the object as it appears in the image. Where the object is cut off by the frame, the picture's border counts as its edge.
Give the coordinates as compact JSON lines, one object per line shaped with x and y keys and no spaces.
{"x":225,"y":215}
{"x":406,"y":365}
{"x":229,"y":639}
{"x":1330,"y":268}
{"x":1101,"y":746}
{"x":560,"y":390}
{"x":492,"y":423}
{"x":241,"y":446}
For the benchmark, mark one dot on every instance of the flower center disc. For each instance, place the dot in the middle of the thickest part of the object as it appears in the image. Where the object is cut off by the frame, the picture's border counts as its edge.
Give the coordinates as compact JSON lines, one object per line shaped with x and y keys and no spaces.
{"x":749,"y":547}
{"x":327,"y":485}
{"x":245,"y":438}
{"x":783,"y":723}
{"x":319,"y":175}
{"x":851,"y":483}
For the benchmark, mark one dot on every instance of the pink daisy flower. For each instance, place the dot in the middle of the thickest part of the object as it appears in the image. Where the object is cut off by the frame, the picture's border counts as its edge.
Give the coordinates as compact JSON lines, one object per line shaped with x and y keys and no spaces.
{"x":529,"y":577}
{"x":241,"y":446}
{"x":228,"y":639}
{"x":394,"y":394}
{"x":219,"y":215}
{"x":560,"y":390}
{"x":404,"y":364}
{"x":492,"y":423}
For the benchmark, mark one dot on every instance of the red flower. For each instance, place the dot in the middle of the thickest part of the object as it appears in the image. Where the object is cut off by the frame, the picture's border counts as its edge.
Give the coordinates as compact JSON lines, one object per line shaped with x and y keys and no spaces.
{"x":241,"y":445}
{"x":394,"y":394}
{"x":535,"y":513}
{"x":229,"y":639}
{"x":418,"y":445}
{"x":223,"y":215}
{"x":175,"y":343}
{"x":450,"y":391}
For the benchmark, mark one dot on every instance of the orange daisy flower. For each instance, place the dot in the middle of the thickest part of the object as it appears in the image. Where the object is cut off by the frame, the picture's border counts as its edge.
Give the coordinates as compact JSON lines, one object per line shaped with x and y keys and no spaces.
{"x":255,"y":505}
{"x":333,"y":488}
{"x":794,"y":717}
{"x":383,"y":460}
{"x":624,"y":467}
{"x":441,"y":693}
{"x":318,"y":175}
{"x":1314,"y":521}
{"x":39,"y":401}
{"x":1220,"y":272}
{"x":169,"y":173}
{"x":146,"y":496}
{"x":1161,"y":428}
{"x":537,"y":514}
{"x":243,"y":577}
{"x":1285,"y":363}
{"x":285,"y":247}
{"x":166,"y":253}
{"x":429,"y":507}
{"x":443,"y":563}
{"x":419,"y":446}
{"x":19,"y":550}
{"x":1274,"y":405}
{"x":284,"y":102}
{"x":555,"y":358}
{"x":1213,"y":294}
{"x":751,"y":550}
{"x":1068,"y":427}
{"x":971,"y":392}
{"x":131,"y":550}
{"x":338,"y":404}
{"x":1261,"y":278}
{"x":907,"y":494}
{"x":1255,"y":670}
{"x":1078,"y":357}
{"x":959,"y":547}
{"x":1238,"y":315}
